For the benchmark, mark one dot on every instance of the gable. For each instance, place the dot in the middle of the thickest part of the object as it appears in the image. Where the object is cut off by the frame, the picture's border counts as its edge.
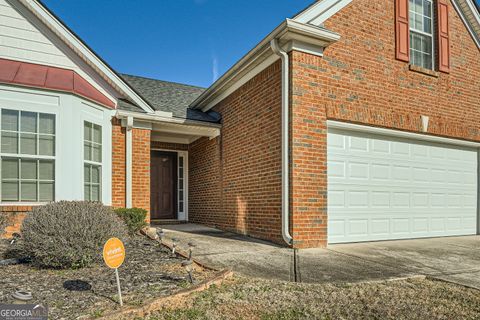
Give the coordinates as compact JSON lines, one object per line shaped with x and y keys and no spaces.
{"x":27,"y":40}
{"x":320,"y":11}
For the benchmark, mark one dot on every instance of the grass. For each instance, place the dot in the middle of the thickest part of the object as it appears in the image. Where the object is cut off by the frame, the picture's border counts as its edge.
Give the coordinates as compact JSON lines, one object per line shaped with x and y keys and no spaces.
{"x":243,"y":298}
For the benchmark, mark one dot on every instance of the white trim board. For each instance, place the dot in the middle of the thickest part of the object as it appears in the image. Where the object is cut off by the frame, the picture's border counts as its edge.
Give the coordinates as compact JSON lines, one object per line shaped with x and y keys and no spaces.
{"x":399,"y":134}
{"x":320,"y":11}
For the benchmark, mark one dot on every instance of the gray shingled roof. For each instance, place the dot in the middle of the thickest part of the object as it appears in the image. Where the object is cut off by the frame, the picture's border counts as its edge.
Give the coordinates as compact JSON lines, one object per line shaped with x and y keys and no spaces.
{"x":166,"y":96}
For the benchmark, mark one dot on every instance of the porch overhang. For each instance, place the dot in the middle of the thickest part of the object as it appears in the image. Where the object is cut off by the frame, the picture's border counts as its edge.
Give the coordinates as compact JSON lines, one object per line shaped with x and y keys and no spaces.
{"x":166,"y":128}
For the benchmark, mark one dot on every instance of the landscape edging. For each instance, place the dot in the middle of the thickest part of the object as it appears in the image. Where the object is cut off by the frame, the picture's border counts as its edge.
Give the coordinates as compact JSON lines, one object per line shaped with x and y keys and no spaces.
{"x":158,"y":303}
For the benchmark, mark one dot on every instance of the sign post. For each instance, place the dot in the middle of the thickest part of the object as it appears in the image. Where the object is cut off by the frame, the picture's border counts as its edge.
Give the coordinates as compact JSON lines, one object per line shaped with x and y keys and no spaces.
{"x":114,"y":255}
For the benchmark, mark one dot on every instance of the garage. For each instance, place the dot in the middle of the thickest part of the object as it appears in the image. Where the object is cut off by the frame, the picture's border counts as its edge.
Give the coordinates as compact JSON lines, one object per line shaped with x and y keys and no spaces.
{"x":385,"y":184}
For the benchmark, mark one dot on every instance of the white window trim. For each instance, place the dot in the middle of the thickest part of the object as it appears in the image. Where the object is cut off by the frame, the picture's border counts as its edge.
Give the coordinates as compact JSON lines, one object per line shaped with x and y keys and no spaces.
{"x":432,"y":35}
{"x":90,"y":162}
{"x":27,"y":108}
{"x":181,"y":216}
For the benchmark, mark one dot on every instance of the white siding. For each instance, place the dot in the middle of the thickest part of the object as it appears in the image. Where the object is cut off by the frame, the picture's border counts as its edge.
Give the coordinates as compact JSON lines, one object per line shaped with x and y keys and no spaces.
{"x":71,"y":112}
{"x":23,"y":40}
{"x":382,"y":188}
{"x":20,"y":40}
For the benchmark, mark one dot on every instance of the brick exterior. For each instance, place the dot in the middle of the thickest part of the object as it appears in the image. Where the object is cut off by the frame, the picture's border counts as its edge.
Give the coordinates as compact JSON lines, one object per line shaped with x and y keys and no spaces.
{"x":169,"y":146}
{"x":15,"y":216}
{"x":140,"y":167}
{"x":358,"y":80}
{"x":235,"y":179}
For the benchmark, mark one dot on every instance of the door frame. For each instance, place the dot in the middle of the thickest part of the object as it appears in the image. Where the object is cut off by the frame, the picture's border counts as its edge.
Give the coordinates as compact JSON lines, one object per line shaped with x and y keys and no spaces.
{"x":181,"y":216}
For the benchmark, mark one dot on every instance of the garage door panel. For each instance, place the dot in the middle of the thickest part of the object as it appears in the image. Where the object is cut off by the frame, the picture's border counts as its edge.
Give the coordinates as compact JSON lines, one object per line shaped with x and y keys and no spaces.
{"x":396,"y":189}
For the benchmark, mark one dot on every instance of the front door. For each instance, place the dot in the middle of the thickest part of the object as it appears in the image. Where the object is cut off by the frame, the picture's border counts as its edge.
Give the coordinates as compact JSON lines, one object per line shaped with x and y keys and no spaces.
{"x":163,"y":177}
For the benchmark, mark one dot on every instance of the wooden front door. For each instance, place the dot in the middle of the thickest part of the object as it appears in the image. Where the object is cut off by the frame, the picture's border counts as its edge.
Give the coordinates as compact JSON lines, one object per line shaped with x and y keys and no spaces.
{"x":163,"y":186}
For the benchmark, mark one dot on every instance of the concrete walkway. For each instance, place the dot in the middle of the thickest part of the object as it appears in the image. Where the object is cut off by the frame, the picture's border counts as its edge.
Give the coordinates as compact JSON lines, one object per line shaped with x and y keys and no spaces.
{"x":454,"y":259}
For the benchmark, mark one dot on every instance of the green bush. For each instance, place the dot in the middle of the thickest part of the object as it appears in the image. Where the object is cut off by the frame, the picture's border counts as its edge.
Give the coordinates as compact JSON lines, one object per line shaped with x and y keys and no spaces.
{"x":69,"y":234}
{"x":134,"y":218}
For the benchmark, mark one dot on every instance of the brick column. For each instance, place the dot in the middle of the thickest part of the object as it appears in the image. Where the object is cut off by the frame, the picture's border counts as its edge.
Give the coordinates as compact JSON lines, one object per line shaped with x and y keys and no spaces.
{"x":308,"y":154}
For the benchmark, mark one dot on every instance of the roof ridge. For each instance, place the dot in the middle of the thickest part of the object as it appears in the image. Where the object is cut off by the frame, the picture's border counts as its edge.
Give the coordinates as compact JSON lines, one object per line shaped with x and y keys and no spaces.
{"x":159,"y":80}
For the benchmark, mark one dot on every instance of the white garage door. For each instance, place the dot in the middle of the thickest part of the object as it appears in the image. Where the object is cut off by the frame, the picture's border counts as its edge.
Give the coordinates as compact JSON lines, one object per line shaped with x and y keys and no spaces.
{"x":381,"y":188}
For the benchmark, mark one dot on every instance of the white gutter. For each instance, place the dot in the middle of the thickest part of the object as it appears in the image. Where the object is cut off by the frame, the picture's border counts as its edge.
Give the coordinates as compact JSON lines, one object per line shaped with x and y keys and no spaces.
{"x":285,"y":139}
{"x":128,"y":166}
{"x":120,"y":114}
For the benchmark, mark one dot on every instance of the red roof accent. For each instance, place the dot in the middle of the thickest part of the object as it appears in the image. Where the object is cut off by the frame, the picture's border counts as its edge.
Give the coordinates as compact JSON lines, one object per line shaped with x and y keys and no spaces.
{"x":47,"y":77}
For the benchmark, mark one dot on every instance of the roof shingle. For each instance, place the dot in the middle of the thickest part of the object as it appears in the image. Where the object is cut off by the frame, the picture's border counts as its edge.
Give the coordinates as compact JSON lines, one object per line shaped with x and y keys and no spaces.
{"x":167,"y":96}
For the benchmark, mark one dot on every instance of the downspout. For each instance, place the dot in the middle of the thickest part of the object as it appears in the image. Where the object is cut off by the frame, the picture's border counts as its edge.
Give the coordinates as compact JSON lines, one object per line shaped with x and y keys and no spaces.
{"x":128,"y":162}
{"x":285,"y":141}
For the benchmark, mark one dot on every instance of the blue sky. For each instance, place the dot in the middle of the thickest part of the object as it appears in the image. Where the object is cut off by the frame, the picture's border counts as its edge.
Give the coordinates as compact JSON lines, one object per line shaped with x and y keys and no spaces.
{"x":186,"y":41}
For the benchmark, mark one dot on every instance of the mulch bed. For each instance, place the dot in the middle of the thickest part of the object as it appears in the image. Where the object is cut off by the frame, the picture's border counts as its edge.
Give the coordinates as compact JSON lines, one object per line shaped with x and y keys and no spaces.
{"x":149,"y":271}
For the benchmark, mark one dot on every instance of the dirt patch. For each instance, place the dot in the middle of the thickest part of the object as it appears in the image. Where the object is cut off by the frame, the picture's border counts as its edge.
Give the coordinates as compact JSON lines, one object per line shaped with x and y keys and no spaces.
{"x":243,"y":298}
{"x":149,"y":271}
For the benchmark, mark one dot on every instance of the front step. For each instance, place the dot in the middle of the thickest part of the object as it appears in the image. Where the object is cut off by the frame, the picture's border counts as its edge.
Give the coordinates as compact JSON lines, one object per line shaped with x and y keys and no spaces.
{"x":166,"y":221}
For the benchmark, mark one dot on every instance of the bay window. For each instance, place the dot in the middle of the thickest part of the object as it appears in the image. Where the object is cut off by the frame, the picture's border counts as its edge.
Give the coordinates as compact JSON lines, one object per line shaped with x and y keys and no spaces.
{"x":92,"y":161}
{"x":27,"y":155}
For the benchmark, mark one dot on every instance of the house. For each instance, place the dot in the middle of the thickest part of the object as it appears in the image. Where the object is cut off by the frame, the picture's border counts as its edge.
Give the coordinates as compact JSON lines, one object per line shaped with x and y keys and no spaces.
{"x":355,"y":120}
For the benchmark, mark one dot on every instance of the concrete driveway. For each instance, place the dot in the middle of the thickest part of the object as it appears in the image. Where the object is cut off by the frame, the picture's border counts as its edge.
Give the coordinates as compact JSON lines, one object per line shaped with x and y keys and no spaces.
{"x":455,"y":259}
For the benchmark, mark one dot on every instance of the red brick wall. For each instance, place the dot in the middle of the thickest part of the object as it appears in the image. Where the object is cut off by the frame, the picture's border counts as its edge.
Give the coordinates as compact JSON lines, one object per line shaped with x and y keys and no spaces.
{"x":235,"y":179}
{"x":358,"y":80}
{"x":15,"y":216}
{"x":118,"y":165}
{"x":169,"y":146}
{"x":140,"y":167}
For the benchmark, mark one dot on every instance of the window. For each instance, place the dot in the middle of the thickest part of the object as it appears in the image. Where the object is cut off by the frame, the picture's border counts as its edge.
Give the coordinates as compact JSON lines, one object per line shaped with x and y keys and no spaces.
{"x":92,"y":135}
{"x":421,"y":33}
{"x":181,"y":184}
{"x":27,"y":156}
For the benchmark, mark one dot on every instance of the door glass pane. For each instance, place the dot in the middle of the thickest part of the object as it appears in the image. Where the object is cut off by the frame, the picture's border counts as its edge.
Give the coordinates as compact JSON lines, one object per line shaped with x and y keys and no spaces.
{"x":28,"y":143}
{"x":9,"y":120}
{"x":28,"y":122}
{"x":95,"y":193}
{"x":46,"y":145}
{"x":180,"y":184}
{"x":180,"y":173}
{"x":10,"y":191}
{"x":9,"y":168}
{"x":47,"y":170}
{"x":47,"y":190}
{"x":29,"y":191}
{"x":29,"y":169}
{"x":9,"y":142}
{"x":180,"y":206}
{"x":47,"y":123}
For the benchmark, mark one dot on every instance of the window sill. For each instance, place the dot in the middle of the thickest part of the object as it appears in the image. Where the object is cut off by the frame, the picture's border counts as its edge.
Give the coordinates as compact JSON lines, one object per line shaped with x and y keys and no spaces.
{"x":424,"y":71}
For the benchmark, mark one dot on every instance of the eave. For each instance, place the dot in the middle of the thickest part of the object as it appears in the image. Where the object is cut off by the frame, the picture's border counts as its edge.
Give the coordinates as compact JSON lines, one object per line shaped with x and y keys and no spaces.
{"x":288,"y":32}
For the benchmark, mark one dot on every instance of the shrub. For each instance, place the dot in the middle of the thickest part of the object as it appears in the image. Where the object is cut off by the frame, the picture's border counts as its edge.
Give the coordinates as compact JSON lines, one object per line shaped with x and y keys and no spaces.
{"x":134,"y":218}
{"x":69,"y":234}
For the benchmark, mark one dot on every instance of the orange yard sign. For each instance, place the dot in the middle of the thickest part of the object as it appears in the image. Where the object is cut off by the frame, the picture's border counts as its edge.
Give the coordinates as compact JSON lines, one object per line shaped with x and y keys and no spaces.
{"x":114,"y":253}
